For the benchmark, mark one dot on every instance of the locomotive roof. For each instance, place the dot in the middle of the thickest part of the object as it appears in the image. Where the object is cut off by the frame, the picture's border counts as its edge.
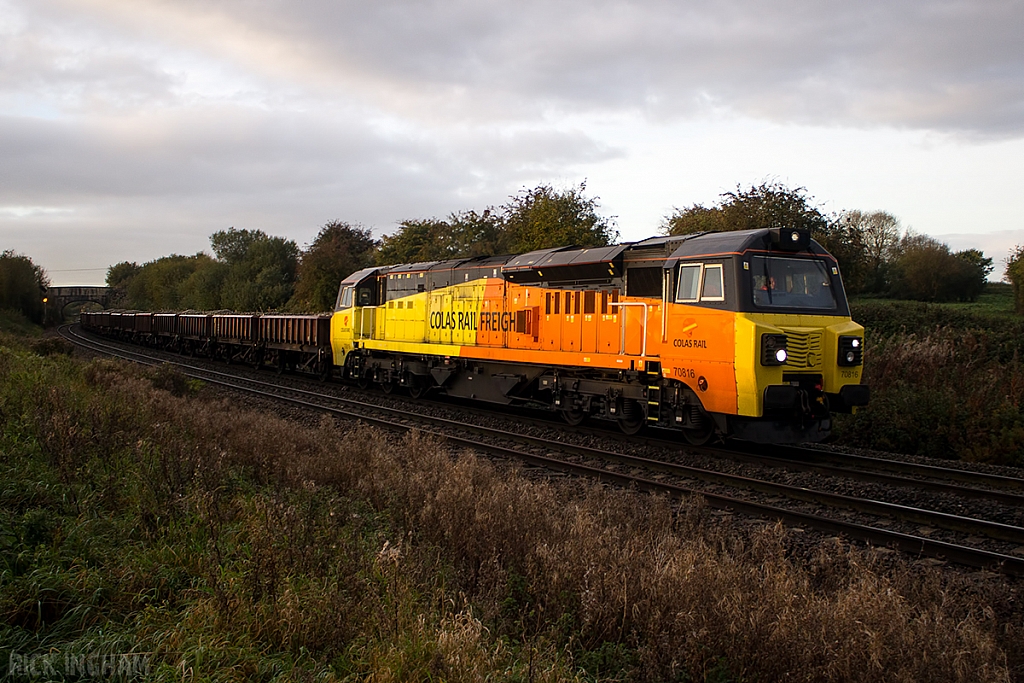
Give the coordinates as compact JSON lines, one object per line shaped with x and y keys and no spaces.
{"x":737,"y":242}
{"x":581,"y":262}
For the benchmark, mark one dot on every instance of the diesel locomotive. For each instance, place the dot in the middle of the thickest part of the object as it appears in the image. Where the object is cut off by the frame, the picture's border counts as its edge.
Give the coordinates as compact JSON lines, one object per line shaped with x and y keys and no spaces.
{"x":744,"y":334}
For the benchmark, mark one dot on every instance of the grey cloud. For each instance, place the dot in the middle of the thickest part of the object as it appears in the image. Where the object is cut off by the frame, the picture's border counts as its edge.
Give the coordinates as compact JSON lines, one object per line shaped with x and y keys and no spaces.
{"x":952,"y":66}
{"x":947,"y":65}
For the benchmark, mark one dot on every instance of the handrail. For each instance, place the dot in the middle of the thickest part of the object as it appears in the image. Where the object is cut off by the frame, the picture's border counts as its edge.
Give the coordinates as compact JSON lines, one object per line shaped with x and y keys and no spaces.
{"x":622,"y":327}
{"x":362,"y":321}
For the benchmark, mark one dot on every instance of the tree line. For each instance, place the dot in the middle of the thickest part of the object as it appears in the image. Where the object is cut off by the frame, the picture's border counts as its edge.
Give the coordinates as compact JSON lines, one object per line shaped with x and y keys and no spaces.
{"x":250,"y":270}
{"x":876,"y":255}
{"x":253,"y":271}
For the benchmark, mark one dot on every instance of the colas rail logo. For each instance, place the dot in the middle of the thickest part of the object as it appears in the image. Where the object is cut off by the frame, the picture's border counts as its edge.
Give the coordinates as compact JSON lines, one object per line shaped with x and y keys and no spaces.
{"x":689,"y":325}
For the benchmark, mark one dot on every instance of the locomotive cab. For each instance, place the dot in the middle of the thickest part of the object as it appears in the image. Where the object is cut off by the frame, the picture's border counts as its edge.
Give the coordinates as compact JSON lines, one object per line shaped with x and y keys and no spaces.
{"x":355,"y":312}
{"x":759,"y":330}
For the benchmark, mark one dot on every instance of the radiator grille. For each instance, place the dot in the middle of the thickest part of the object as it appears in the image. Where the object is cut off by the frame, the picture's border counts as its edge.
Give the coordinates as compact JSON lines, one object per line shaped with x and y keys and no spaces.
{"x":804,"y":346}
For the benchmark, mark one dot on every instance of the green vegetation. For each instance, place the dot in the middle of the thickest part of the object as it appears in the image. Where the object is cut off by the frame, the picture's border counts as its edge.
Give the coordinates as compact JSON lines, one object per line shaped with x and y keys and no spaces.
{"x":138,"y":514}
{"x":338,"y":251}
{"x":946,"y":379}
{"x":22,"y":287}
{"x":532,"y":219}
{"x":252,"y":271}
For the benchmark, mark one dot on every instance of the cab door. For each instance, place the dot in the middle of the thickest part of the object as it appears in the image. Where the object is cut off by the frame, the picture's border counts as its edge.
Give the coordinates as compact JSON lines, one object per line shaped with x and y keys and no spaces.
{"x":700,"y":335}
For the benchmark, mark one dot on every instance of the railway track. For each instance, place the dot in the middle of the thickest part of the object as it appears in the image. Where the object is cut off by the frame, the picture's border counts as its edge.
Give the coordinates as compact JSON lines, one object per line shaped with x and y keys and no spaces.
{"x":678,"y":480}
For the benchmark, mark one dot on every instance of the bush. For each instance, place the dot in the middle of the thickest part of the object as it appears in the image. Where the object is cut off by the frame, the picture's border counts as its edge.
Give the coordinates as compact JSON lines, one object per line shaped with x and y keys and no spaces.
{"x":944,"y":382}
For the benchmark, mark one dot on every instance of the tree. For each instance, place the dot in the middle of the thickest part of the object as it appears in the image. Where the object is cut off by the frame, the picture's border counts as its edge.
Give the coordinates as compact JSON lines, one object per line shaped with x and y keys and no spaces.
{"x":338,"y":251}
{"x":768,"y":205}
{"x":202,"y":289}
{"x":544,"y":217}
{"x":463,"y":235}
{"x":974,"y":269}
{"x":168,"y":283}
{"x":120,"y":273}
{"x":262,"y":269}
{"x":844,"y":239}
{"x":1014,"y":274}
{"x":417,"y":240}
{"x":927,"y":270}
{"x":22,"y":286}
{"x":479,"y":234}
{"x":879,"y":234}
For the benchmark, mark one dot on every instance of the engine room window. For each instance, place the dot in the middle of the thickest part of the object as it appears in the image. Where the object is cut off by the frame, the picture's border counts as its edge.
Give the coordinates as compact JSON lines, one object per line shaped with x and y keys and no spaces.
{"x":780,"y":282}
{"x":689,"y":283}
{"x":714,"y":287}
{"x":644,"y":282}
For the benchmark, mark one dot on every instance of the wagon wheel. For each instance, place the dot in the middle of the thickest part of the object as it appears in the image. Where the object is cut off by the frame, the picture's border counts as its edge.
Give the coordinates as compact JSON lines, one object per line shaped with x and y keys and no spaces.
{"x":574,"y":416}
{"x":631,"y":420}
{"x":388,"y":387}
{"x":280,"y":364}
{"x":418,"y":389}
{"x":363,"y":381}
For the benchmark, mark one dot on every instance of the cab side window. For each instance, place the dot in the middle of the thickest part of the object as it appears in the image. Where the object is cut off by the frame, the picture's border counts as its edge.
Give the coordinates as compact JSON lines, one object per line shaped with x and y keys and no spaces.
{"x":714,"y":288}
{"x":689,"y":283}
{"x":701,"y":282}
{"x":344,"y":298}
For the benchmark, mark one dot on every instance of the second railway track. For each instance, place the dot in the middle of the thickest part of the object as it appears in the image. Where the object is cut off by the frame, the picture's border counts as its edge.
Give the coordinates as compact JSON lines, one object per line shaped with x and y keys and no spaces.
{"x":720,"y":490}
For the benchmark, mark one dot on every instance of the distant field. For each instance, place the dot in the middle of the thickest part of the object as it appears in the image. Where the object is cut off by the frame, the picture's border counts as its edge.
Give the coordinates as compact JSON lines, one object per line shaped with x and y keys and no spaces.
{"x":997,"y":301}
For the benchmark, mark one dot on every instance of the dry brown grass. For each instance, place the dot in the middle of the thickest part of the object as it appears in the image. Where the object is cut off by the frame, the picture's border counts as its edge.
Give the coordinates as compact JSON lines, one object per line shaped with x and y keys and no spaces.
{"x":383,"y":559}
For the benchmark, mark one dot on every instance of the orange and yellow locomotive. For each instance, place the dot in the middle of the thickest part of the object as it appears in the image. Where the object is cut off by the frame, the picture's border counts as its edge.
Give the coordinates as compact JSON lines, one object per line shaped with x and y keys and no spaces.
{"x":744,"y":334}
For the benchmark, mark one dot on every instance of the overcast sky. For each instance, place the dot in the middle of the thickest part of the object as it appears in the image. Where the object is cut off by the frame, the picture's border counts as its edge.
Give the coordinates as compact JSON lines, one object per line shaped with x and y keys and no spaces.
{"x":132,"y":130}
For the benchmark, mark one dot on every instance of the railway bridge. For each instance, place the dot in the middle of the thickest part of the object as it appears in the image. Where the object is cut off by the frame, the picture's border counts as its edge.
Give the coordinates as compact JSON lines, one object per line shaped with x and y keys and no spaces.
{"x":59,"y":297}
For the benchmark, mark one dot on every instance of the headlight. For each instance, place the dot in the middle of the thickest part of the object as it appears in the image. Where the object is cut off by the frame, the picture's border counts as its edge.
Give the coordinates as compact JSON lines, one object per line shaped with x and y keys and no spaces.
{"x":773,"y":349}
{"x":851,"y":350}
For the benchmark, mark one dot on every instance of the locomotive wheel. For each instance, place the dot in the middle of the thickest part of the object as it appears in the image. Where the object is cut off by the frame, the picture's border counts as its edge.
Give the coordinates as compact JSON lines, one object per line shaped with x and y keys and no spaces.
{"x":632,"y":419}
{"x":574,"y":417}
{"x":701,"y":435}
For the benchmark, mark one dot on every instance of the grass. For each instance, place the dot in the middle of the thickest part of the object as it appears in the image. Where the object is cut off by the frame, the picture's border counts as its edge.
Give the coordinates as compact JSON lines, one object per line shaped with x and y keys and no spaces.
{"x":14,"y":323}
{"x":139,"y":514}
